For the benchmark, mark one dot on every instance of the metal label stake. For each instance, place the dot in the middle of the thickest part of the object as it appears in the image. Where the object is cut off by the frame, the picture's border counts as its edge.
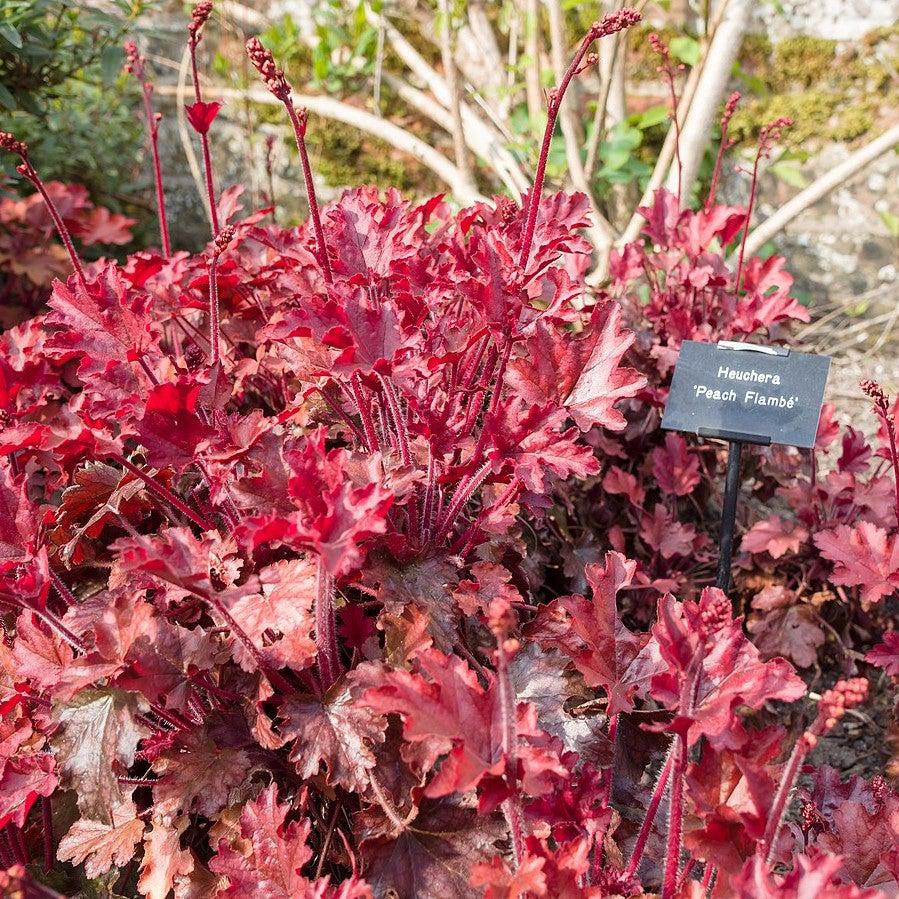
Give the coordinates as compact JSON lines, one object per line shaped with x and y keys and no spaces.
{"x":743,"y":393}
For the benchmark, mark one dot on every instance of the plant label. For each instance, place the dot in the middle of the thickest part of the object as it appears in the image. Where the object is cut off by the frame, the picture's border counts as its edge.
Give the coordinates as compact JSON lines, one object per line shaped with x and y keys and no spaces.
{"x":741,"y":391}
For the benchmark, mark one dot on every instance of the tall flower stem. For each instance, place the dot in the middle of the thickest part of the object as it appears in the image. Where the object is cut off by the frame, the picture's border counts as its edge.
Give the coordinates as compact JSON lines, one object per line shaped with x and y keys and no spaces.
{"x":610,"y":24}
{"x":298,"y":123}
{"x":651,"y":811}
{"x":199,"y":17}
{"x":767,"y":136}
{"x":834,"y":703}
{"x":501,"y":621}
{"x":329,"y":667}
{"x":135,"y":67}
{"x":164,"y":493}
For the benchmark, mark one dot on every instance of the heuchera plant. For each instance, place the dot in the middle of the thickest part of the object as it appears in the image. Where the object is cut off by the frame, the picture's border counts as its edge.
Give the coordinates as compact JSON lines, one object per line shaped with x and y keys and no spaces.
{"x":281,"y":614}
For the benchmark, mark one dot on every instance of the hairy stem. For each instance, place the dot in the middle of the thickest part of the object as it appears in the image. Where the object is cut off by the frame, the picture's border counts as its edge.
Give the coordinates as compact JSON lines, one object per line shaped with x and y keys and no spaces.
{"x":752,"y":192}
{"x":463,"y":494}
{"x":204,"y":144}
{"x":651,"y":811}
{"x":214,"y":327}
{"x":329,"y":667}
{"x":507,"y":705}
{"x":163,"y":493}
{"x":782,"y":796}
{"x":47,"y":831}
{"x":299,"y":133}
{"x":29,"y":172}
{"x":153,"y":129}
{"x":274,"y":677}
{"x":674,"y":839}
{"x":368,"y":425}
{"x":399,"y":426}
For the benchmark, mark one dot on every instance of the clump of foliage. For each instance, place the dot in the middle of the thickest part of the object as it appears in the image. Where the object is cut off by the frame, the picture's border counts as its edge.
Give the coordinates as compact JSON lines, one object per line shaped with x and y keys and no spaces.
{"x":279,"y":613}
{"x":61,"y":91}
{"x":30,"y":257}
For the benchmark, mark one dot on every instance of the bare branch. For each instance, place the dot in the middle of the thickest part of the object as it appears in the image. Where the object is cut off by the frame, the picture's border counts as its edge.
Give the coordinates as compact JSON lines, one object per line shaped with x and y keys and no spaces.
{"x":481,"y":140}
{"x":479,"y":135}
{"x":532,"y":50}
{"x":716,"y":72}
{"x":380,"y":128}
{"x":666,"y":154}
{"x":452,"y":85}
{"x":829,"y":181}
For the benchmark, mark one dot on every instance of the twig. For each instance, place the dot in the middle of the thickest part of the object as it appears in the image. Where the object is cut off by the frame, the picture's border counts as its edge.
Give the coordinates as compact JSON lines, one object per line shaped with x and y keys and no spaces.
{"x":822,"y":186}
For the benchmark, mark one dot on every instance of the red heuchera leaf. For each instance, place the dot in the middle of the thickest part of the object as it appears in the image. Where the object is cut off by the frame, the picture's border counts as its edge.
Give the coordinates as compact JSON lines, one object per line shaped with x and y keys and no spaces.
{"x":616,"y":480}
{"x":446,"y":710}
{"x":269,"y":867}
{"x":886,"y":654}
{"x":100,"y":845}
{"x":102,"y":226}
{"x":863,"y":556}
{"x":164,"y":863}
{"x":501,"y":882}
{"x":731,"y":674}
{"x":592,"y":635}
{"x":23,"y":779}
{"x":171,"y":431}
{"x":867,"y":840}
{"x":201,"y":115}
{"x":431,"y":854}
{"x":108,"y":326}
{"x":600,"y":381}
{"x":775,"y":536}
{"x":812,"y":876}
{"x":785,"y":626}
{"x":336,"y":731}
{"x":669,"y":537}
{"x":732,"y":795}
{"x":197,"y":775}
{"x":674,"y":467}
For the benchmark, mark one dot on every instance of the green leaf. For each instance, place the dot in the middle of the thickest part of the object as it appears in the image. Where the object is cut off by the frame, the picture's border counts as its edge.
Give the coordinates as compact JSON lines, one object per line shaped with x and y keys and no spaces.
{"x":655,"y":115}
{"x":789,"y":172}
{"x":111,"y":60}
{"x":891,"y":221}
{"x":685,"y":49}
{"x":10,"y":35}
{"x":7,"y":100}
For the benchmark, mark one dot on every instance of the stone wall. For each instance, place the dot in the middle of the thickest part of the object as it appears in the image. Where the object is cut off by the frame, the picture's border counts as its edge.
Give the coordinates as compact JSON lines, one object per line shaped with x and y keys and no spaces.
{"x":842,"y":20}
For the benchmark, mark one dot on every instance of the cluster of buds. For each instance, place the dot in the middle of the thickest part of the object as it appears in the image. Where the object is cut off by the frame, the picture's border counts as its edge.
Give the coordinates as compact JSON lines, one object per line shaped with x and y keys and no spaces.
{"x":834,"y":703}
{"x":616,"y":21}
{"x":12,"y":144}
{"x":873,"y":390}
{"x":501,"y":619}
{"x":198,"y":18}
{"x":507,"y":210}
{"x":658,"y":46}
{"x":590,"y":60}
{"x":730,"y":107}
{"x":810,"y":816}
{"x":134,"y":62}
{"x":264,"y":62}
{"x":715,"y":612}
{"x":221,"y":240}
{"x":771,"y":134}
